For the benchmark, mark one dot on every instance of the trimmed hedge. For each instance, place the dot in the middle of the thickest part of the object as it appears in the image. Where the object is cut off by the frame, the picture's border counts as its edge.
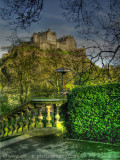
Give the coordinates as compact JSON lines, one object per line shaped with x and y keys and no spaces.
{"x":93,"y":113}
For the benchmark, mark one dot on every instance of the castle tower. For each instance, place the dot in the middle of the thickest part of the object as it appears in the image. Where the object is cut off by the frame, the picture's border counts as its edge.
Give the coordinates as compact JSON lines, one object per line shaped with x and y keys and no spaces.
{"x":45,"y":40}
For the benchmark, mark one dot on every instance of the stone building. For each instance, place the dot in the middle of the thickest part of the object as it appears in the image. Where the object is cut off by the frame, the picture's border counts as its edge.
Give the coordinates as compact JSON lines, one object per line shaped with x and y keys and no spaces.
{"x":48,"y":40}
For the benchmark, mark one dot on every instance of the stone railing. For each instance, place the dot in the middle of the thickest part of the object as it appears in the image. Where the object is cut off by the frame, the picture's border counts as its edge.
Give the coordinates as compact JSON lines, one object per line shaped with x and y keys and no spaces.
{"x":38,"y":113}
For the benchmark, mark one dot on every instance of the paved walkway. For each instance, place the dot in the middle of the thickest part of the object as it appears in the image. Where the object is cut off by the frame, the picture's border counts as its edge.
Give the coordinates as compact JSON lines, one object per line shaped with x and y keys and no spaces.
{"x":55,"y":148}
{"x":32,"y":133}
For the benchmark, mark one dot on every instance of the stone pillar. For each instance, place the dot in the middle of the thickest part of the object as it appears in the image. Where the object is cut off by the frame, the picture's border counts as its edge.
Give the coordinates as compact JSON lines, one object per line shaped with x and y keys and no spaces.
{"x":11,"y":126}
{"x":20,"y":129}
{"x":48,"y":118}
{"x":16,"y":124}
{"x":58,"y":123}
{"x":40,"y":117}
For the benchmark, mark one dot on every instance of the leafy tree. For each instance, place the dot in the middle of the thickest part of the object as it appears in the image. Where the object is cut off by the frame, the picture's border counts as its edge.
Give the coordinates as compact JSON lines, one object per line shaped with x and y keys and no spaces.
{"x":18,"y":71}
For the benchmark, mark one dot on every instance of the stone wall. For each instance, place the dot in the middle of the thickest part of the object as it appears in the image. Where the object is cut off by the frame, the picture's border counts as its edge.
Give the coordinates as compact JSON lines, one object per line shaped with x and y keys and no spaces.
{"x":67,"y":43}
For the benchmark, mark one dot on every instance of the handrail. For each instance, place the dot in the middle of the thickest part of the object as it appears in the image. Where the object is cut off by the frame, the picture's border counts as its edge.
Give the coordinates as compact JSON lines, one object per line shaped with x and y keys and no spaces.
{"x":9,"y":113}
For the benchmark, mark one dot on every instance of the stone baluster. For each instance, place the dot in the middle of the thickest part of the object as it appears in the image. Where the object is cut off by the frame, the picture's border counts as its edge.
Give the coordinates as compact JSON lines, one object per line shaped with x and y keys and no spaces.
{"x":48,"y":118}
{"x":16,"y":124}
{"x":20,"y":129}
{"x":33,"y":125}
{"x":6,"y":129}
{"x":11,"y":126}
{"x":58,"y":123}
{"x":26,"y":127}
{"x":40,"y":117}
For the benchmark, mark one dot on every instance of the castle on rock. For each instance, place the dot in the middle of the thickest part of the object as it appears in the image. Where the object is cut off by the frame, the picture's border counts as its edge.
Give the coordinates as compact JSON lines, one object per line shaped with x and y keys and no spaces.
{"x":48,"y":40}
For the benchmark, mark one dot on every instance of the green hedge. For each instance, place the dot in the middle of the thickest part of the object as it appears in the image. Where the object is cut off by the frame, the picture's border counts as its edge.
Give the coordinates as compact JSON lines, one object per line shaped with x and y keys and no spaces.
{"x":93,"y":113}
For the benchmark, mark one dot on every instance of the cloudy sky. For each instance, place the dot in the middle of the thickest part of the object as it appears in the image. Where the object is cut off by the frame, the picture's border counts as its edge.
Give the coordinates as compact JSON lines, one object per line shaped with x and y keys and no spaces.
{"x":52,"y":18}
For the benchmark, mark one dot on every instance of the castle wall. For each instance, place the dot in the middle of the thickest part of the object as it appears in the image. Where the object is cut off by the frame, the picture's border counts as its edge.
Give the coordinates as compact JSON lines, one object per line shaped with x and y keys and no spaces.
{"x":51,"y":38}
{"x":67,"y":43}
{"x":62,"y":46}
{"x":46,"y":45}
{"x":42,"y":37}
{"x":71,"y":44}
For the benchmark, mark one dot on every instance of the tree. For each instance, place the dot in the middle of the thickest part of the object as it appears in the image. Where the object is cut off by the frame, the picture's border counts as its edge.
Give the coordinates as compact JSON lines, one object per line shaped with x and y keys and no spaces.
{"x":4,"y":107}
{"x":21,"y":13}
{"x":17,"y":71}
{"x":98,"y":24}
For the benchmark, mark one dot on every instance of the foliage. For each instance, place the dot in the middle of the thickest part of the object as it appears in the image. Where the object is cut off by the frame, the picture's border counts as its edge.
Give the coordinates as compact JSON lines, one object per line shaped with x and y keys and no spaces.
{"x":28,"y":72}
{"x":93,"y":113}
{"x":3,"y":102}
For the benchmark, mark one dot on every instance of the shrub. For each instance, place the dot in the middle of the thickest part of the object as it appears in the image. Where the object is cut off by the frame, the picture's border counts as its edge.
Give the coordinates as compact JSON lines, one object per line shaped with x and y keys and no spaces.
{"x":93,"y":113}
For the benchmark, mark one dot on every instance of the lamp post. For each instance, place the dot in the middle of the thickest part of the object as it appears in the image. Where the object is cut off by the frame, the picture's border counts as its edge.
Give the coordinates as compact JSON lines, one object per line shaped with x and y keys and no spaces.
{"x":63,"y":71}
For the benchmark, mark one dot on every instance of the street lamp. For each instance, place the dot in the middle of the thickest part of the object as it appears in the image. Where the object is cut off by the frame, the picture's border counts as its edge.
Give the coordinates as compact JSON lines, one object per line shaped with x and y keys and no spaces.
{"x":63,"y":71}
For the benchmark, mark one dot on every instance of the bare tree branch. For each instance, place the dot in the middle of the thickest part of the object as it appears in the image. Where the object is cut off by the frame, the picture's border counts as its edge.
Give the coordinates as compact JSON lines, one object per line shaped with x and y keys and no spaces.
{"x":21,"y":13}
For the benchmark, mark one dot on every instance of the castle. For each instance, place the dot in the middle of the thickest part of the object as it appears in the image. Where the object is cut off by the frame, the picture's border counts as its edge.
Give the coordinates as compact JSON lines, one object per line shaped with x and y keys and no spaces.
{"x":48,"y":40}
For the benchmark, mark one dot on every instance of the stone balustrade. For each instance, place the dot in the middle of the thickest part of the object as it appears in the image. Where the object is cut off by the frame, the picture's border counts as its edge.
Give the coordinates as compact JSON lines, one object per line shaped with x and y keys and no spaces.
{"x":38,"y":113}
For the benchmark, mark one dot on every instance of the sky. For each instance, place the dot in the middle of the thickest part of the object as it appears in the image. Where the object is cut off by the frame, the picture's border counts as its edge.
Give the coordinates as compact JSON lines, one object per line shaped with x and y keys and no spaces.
{"x":52,"y":18}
